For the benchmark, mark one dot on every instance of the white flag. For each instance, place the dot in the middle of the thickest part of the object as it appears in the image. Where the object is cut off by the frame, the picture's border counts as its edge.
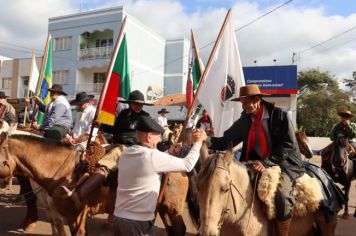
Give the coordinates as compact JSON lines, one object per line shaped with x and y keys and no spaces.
{"x":223,"y":80}
{"x":34,"y":75}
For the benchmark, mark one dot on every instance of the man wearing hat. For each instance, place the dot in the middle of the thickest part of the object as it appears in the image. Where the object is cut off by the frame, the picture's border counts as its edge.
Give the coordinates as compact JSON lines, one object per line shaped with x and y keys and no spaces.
{"x":139,"y":177}
{"x":268,"y":139}
{"x":7,"y":111}
{"x":84,"y":120}
{"x":124,"y":134}
{"x":345,"y":127}
{"x":58,"y":114}
{"x":162,"y":119}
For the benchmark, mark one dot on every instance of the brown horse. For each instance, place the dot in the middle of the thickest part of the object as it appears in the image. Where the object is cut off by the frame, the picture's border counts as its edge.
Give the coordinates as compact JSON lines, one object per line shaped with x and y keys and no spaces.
{"x":228,"y":205}
{"x":51,"y":165}
{"x":337,"y":163}
{"x":303,"y":143}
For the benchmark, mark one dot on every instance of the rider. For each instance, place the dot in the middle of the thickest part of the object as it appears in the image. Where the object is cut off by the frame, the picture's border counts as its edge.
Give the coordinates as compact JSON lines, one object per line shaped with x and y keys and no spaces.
{"x":162,"y":119}
{"x":268,"y":140}
{"x":345,"y":127}
{"x":139,"y":177}
{"x":124,"y":132}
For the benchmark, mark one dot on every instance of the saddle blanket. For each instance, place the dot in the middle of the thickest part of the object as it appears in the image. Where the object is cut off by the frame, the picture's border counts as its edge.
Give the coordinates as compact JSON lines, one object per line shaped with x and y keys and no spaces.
{"x":306,"y":191}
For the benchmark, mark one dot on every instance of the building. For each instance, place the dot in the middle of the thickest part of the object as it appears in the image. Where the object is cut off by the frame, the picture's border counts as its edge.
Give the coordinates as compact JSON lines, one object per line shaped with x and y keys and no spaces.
{"x":83,"y":45}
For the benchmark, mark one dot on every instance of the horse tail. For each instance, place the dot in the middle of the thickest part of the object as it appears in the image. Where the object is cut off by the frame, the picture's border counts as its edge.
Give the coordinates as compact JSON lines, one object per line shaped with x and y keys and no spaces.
{"x":192,"y":199}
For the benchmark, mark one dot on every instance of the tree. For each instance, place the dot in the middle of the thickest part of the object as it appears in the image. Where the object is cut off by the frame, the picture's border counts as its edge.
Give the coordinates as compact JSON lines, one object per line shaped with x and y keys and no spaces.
{"x":319,"y":100}
{"x":351,"y":83}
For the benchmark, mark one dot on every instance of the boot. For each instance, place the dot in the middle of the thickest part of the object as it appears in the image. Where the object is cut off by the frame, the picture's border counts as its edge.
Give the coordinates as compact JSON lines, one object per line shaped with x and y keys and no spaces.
{"x":283,"y":227}
{"x":93,"y":182}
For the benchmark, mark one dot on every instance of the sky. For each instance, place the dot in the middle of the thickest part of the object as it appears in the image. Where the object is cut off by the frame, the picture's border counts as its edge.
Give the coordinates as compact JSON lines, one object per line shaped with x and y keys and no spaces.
{"x":321,"y":34}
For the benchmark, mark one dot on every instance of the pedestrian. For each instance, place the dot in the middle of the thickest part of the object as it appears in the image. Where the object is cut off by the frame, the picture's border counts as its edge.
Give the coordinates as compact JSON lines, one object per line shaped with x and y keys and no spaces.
{"x":205,"y":124}
{"x":7,"y":111}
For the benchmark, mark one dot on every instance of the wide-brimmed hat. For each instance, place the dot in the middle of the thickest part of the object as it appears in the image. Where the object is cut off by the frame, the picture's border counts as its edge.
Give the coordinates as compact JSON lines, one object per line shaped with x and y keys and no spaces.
{"x":147,"y":124}
{"x":137,"y":97}
{"x":81,"y":98}
{"x":249,"y":90}
{"x":163,"y":110}
{"x":2,"y":94}
{"x":58,"y":89}
{"x":345,"y":114}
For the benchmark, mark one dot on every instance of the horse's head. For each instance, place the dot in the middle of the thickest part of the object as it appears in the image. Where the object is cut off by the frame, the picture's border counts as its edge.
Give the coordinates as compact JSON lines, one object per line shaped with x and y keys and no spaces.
{"x":213,"y":186}
{"x":5,"y":162}
{"x":341,"y":151}
{"x":303,"y":143}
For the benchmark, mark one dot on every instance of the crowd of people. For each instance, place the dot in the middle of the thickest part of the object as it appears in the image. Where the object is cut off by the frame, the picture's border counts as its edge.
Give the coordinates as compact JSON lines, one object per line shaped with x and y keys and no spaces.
{"x":265,"y":130}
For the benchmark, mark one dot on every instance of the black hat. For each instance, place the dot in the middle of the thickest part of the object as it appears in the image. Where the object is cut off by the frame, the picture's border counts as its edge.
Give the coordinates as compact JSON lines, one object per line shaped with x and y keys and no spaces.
{"x":81,"y":98}
{"x":163,"y":110}
{"x":2,"y":94}
{"x":137,"y":97}
{"x":58,"y":89}
{"x":147,"y":124}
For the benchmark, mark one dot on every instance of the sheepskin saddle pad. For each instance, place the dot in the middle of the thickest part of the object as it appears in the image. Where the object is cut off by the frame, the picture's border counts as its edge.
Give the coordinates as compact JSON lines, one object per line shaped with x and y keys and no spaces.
{"x":306,"y":191}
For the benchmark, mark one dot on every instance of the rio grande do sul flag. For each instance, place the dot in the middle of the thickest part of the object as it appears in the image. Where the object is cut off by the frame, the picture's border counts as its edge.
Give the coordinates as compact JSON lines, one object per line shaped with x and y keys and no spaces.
{"x":195,"y":72}
{"x":118,"y":86}
{"x":223,"y":80}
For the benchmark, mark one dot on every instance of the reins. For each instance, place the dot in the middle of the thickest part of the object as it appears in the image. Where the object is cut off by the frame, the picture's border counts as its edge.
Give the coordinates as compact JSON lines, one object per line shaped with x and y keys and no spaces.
{"x":225,"y":209}
{"x":39,"y":188}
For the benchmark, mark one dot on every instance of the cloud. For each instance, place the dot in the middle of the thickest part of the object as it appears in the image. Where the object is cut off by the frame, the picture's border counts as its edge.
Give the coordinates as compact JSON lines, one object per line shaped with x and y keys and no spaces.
{"x":292,"y":28}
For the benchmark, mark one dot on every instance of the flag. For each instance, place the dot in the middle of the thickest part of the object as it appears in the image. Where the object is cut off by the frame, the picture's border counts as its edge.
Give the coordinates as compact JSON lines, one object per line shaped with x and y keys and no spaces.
{"x":194,"y":73}
{"x":47,"y":80}
{"x":33,"y":80}
{"x":222,"y":80}
{"x":118,"y":85}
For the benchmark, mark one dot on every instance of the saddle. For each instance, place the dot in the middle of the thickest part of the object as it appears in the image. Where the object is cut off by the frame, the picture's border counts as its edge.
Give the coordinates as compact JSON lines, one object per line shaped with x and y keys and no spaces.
{"x":306,"y":191}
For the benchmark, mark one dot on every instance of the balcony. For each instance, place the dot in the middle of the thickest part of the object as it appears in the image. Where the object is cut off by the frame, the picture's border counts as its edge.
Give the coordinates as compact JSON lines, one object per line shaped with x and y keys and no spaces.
{"x":95,"y":53}
{"x":90,"y":88}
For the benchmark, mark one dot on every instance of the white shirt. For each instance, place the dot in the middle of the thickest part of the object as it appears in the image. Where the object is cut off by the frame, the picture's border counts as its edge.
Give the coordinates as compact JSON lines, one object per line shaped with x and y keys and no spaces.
{"x":139,"y":179}
{"x":162,"y":121}
{"x":83,"y":122}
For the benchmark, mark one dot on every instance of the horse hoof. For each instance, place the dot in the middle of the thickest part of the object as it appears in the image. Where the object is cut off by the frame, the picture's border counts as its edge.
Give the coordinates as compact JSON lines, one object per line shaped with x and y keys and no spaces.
{"x":30,"y":227}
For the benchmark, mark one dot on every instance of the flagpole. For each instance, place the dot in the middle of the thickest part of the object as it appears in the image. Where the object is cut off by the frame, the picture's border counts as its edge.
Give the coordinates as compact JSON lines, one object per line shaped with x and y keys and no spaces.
{"x":108,"y":75}
{"x":29,"y":82}
{"x":40,"y":77}
{"x":206,"y":70}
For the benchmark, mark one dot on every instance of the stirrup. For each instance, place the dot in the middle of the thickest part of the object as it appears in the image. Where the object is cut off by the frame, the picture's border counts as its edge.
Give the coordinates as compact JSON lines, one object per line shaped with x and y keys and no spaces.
{"x":67,"y":191}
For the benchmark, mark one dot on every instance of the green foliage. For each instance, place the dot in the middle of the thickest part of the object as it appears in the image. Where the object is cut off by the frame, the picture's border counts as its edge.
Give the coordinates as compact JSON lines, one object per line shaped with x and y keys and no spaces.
{"x":319,"y":100}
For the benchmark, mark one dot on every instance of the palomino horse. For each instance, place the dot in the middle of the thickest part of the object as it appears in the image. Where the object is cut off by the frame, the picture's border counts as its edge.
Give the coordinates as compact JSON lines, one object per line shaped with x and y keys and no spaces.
{"x":228,"y":205}
{"x":51,"y":165}
{"x":336,"y":162}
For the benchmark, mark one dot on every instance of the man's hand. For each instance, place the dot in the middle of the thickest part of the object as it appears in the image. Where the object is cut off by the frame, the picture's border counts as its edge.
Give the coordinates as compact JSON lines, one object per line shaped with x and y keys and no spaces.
{"x":199,"y":135}
{"x":258,"y":167}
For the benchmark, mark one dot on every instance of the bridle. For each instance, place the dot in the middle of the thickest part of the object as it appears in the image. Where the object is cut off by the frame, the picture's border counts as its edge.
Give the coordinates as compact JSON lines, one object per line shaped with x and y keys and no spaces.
{"x":226,"y":209}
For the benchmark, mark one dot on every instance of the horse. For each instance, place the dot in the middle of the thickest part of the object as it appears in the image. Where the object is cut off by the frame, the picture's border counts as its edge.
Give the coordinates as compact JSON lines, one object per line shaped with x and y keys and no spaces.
{"x":51,"y":165}
{"x":335,"y":160}
{"x":303,"y":143}
{"x":229,"y":206}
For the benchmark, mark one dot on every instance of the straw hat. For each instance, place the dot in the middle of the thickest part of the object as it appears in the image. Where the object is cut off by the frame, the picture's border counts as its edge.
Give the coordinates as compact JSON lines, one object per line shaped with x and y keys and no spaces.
{"x":345,"y":114}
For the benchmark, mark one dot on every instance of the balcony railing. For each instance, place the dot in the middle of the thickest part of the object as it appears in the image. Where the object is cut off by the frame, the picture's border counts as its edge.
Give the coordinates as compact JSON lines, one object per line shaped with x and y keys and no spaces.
{"x":95,"y":53}
{"x":91,"y":88}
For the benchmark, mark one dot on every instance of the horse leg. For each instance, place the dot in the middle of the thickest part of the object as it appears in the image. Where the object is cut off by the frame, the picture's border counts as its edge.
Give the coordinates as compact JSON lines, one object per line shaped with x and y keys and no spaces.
{"x":178,"y":224}
{"x":29,"y":223}
{"x":163,"y":213}
{"x":326,"y":227}
{"x":57,"y":221}
{"x":347,"y":191}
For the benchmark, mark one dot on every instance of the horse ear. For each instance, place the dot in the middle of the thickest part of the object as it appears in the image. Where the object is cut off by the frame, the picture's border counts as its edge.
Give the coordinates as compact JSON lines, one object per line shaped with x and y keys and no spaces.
{"x":204,"y":153}
{"x":3,"y":136}
{"x":229,"y":153}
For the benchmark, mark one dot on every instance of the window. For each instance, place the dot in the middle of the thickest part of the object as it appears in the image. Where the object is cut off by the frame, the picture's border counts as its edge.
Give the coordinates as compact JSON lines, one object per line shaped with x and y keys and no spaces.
{"x":99,"y":77}
{"x":6,"y":83}
{"x":63,"y":43}
{"x":61,"y":77}
{"x":103,"y":43}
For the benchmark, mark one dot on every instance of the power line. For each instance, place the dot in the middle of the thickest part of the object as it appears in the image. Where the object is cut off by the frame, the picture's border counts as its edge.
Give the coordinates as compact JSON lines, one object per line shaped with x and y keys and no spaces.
{"x":329,"y":39}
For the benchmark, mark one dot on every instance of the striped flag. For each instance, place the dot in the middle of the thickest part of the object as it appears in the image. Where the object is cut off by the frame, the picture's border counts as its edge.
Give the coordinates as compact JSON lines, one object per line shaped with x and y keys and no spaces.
{"x":47,"y":79}
{"x":118,"y":85}
{"x":194,"y":73}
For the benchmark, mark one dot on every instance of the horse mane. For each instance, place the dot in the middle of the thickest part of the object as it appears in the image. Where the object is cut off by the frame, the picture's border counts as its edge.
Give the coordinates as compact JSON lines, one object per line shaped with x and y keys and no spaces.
{"x":208,"y":168}
{"x":44,"y":141}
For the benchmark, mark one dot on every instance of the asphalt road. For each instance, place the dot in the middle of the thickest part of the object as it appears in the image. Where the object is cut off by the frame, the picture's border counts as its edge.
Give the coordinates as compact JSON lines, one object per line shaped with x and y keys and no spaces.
{"x":12,"y":215}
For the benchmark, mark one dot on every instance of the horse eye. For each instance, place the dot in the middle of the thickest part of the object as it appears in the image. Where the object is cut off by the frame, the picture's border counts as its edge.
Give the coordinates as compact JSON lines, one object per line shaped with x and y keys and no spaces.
{"x":224,"y":189}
